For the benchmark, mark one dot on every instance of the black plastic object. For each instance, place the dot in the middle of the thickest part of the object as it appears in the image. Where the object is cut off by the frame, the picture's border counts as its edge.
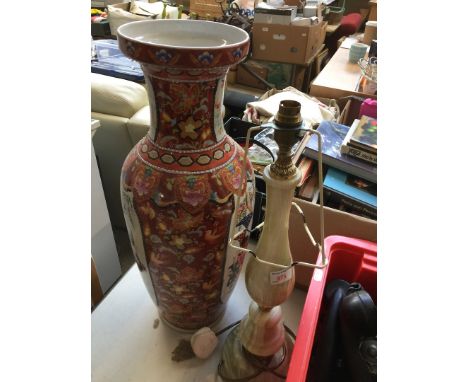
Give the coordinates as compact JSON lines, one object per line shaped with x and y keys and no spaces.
{"x":235,"y":101}
{"x":237,"y":129}
{"x":373,"y":49}
{"x":358,"y":324}
{"x":326,"y":357}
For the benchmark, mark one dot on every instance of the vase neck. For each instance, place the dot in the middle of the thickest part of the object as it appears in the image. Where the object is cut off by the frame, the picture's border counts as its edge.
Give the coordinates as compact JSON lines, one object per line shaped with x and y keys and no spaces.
{"x":186,"y":106}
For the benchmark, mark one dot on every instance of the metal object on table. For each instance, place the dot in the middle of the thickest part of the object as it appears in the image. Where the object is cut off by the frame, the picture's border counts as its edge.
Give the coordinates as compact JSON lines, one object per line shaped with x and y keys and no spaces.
{"x":334,"y":14}
{"x":369,"y":68}
{"x":234,"y":15}
{"x":368,"y":81}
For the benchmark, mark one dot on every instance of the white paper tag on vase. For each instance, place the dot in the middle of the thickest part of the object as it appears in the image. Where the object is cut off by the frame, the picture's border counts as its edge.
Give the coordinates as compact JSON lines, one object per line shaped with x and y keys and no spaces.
{"x":280,"y":277}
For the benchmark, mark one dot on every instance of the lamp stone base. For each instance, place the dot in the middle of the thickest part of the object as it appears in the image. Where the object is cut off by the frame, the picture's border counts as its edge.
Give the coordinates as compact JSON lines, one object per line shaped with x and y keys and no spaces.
{"x":239,"y":365}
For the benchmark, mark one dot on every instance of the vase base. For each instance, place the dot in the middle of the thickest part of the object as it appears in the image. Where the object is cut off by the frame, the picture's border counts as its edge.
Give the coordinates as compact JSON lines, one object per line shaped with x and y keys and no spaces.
{"x":186,"y":330}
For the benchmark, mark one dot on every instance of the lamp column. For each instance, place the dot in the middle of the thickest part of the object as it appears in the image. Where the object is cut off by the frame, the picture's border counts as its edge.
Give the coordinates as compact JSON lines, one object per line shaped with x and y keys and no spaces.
{"x":260,"y":343}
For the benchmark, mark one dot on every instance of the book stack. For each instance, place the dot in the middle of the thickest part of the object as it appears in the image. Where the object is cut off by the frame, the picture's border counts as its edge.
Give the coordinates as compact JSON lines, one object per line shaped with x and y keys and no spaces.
{"x":333,"y":135}
{"x":350,"y":181}
{"x":361,"y":140}
{"x":308,"y":187}
{"x":350,"y":193}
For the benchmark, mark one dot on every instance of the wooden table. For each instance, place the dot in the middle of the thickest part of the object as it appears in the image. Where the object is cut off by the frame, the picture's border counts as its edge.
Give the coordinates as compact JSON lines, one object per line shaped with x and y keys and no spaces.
{"x":125,"y":347}
{"x":339,"y":78}
{"x":331,"y":28}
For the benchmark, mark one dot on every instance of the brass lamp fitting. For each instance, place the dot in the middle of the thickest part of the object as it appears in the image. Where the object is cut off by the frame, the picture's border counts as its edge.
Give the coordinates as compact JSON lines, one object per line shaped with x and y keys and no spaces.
{"x":287,"y":130}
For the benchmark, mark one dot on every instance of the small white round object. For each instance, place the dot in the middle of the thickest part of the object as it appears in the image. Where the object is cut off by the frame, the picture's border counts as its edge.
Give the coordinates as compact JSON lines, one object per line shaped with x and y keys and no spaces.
{"x":203,"y":342}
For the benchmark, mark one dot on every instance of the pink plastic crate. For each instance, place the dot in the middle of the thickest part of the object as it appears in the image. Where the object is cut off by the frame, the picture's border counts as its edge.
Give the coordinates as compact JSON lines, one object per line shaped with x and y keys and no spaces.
{"x":350,"y":259}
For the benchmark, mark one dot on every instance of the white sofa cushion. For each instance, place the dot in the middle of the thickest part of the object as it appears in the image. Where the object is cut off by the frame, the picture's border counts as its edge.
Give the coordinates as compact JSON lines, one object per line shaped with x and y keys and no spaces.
{"x":138,"y":125}
{"x":116,"y":96}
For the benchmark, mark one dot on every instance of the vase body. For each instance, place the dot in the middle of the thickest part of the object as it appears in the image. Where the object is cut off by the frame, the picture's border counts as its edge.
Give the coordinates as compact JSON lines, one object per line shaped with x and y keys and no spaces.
{"x":183,"y":187}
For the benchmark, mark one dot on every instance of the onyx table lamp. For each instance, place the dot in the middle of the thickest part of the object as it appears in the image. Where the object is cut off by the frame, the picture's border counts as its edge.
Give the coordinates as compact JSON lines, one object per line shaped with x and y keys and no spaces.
{"x":259,"y":348}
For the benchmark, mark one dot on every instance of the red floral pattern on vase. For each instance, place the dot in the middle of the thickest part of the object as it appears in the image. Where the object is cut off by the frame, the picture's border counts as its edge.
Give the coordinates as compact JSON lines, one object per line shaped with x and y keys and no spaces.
{"x":186,"y":114}
{"x":193,"y":191}
{"x":181,"y":184}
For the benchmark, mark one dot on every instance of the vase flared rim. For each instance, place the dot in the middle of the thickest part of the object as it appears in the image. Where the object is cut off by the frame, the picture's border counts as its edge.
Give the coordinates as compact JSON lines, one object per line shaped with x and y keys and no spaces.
{"x":139,"y":32}
{"x":176,"y":44}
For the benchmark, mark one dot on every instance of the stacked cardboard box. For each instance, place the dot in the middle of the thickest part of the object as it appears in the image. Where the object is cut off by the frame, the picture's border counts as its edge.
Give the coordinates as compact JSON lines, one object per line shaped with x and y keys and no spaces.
{"x":208,"y":8}
{"x":282,"y":15}
{"x":287,"y":43}
{"x":280,"y":36}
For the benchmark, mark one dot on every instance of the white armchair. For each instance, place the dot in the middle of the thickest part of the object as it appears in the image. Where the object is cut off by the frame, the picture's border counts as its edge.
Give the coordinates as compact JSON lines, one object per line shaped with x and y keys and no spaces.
{"x":122,"y":108}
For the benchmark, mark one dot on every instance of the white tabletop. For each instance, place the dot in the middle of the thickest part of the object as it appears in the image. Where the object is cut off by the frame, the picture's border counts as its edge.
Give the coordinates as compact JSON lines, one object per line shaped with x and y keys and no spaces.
{"x":125,"y":347}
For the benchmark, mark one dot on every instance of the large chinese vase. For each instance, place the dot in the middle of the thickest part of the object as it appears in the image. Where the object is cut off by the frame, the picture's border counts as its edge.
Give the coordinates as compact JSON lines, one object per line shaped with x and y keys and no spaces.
{"x":184,"y":188}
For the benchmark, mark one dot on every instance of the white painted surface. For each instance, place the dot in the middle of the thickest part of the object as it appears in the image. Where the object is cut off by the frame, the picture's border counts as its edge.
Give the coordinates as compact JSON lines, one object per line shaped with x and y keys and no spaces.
{"x":125,"y":347}
{"x":103,"y":247}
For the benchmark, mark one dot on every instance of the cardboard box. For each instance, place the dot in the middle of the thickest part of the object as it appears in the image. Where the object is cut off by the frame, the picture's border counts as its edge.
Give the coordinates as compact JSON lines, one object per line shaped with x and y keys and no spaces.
{"x":373,"y":10}
{"x":231,"y":77}
{"x":282,"y":16}
{"x":370,"y":32}
{"x":310,"y":11}
{"x":349,"y":108}
{"x":207,"y":8}
{"x":298,"y":3}
{"x":305,"y":21}
{"x":247,"y":79}
{"x":335,"y":222}
{"x":287,"y":43}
